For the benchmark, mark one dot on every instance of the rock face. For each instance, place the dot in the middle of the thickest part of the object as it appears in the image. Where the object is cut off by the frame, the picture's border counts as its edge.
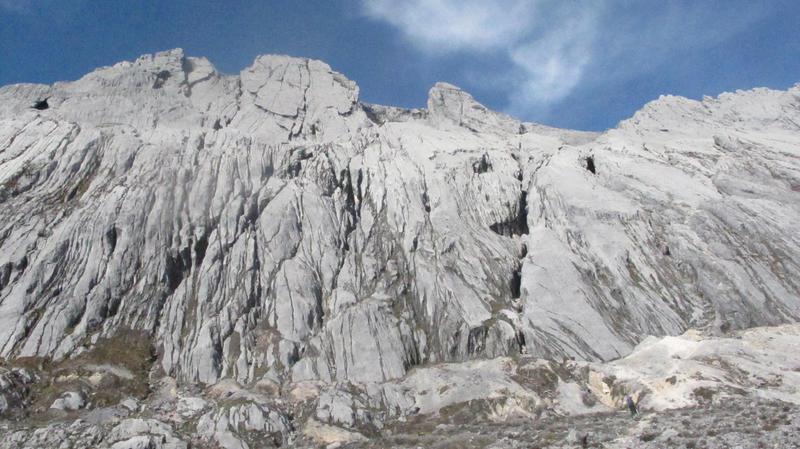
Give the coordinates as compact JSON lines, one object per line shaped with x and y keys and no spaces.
{"x":14,"y":387}
{"x":70,"y":400}
{"x":269,"y":229}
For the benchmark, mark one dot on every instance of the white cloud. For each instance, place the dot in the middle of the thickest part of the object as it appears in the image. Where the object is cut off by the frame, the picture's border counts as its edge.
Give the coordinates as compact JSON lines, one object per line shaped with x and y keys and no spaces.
{"x":547,"y":43}
{"x":58,"y":10}
{"x":553,"y":63}
{"x":15,"y":6}
{"x":551,"y":45}
{"x":446,"y":25}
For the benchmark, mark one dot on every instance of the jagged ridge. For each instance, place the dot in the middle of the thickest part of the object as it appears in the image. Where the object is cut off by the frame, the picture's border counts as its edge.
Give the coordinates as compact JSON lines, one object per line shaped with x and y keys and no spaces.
{"x":269,"y":228}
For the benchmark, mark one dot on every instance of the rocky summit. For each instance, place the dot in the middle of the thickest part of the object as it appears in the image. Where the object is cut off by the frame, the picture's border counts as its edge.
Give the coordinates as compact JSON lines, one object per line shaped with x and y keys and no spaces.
{"x":194,"y":259}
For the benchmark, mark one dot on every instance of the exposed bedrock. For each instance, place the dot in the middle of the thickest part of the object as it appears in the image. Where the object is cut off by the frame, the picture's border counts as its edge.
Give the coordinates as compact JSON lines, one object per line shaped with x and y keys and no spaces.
{"x":268,"y":227}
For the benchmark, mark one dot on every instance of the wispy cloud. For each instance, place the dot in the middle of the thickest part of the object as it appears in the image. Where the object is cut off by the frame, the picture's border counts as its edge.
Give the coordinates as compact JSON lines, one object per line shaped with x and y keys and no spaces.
{"x":548,"y":44}
{"x":554,"y":47}
{"x":15,"y":6}
{"x":553,"y":63}
{"x":58,"y":10}
{"x":447,"y":25}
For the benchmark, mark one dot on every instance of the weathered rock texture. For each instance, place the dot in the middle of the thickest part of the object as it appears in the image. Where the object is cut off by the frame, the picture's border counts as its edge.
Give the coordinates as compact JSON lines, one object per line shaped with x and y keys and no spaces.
{"x":270,"y":229}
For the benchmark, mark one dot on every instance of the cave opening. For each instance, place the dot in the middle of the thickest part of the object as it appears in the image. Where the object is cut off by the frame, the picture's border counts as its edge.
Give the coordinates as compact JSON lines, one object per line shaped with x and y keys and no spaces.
{"x":482,"y":165}
{"x":516,"y":225}
{"x":516,"y":283}
{"x":590,"y":164}
{"x":111,"y":239}
{"x":200,"y":248}
{"x":41,"y":105}
{"x":161,"y":78}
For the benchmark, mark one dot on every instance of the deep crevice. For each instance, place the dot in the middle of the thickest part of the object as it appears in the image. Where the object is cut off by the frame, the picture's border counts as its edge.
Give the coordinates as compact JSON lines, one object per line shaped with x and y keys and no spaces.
{"x":200,"y":247}
{"x":476,"y":340}
{"x":295,"y":167}
{"x":5,"y":274}
{"x":161,"y":78}
{"x":359,"y":181}
{"x":426,"y":202}
{"x":41,"y":105}
{"x":520,"y":337}
{"x":515,"y":285}
{"x":352,"y":208}
{"x":590,"y":165}
{"x":517,"y":225}
{"x":111,"y":239}
{"x":22,"y":264}
{"x":516,"y":282}
{"x":372,"y":114}
{"x":482,"y":165}
{"x":175,"y":268}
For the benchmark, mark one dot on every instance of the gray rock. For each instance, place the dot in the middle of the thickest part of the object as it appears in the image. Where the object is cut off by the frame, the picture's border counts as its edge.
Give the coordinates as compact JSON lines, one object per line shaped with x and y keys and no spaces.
{"x":189,"y":407}
{"x":143,"y":433}
{"x":218,"y":213}
{"x":15,"y":386}
{"x":131,"y":404}
{"x":578,"y":438}
{"x":266,"y":228}
{"x":233,"y":426}
{"x":138,"y":442}
{"x":70,"y":400}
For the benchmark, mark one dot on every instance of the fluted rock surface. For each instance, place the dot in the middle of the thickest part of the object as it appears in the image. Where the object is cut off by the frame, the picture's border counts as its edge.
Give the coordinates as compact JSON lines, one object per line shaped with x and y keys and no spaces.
{"x":269,"y":228}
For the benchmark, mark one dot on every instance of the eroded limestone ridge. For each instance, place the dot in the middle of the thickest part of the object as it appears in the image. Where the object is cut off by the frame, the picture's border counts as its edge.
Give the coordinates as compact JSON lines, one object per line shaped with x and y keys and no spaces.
{"x":269,"y":229}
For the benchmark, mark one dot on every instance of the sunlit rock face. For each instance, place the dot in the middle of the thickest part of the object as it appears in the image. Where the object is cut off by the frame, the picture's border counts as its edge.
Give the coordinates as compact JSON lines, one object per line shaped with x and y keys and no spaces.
{"x":269,"y":227}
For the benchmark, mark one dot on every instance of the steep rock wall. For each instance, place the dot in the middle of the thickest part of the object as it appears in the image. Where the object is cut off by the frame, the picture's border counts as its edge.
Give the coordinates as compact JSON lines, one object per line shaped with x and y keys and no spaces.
{"x":268,"y":226}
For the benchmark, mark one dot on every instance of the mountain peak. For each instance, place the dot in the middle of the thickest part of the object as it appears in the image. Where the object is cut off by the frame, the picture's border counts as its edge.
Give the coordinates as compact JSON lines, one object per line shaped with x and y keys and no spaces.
{"x":257,"y":253}
{"x":450,"y":105}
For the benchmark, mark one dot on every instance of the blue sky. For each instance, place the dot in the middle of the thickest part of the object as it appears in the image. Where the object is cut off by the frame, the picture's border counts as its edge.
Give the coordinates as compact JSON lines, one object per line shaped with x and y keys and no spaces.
{"x":583,"y":64}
